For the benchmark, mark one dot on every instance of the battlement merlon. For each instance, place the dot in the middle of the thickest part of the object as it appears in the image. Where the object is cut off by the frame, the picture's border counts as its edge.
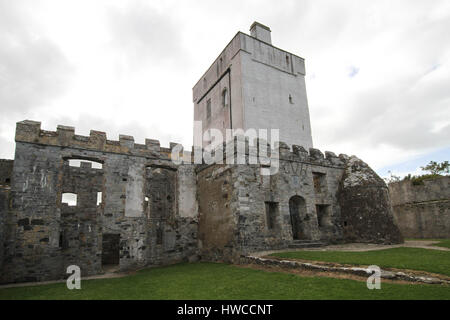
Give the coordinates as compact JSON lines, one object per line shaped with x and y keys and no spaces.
{"x":30,"y":132}
{"x":280,"y":150}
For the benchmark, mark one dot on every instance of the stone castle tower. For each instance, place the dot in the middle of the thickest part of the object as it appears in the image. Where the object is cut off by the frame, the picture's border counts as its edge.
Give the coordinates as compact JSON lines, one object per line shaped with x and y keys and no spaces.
{"x":254,"y":85}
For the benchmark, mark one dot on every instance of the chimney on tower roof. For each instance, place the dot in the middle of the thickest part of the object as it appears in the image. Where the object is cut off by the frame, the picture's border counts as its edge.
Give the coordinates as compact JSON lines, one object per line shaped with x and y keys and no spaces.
{"x":260,"y":32}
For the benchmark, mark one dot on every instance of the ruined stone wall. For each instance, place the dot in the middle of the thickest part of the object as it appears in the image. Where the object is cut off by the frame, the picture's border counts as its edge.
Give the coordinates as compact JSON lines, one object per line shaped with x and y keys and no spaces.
{"x":422,"y":211}
{"x":133,"y":199}
{"x":311,"y":196}
{"x":80,"y":225}
{"x":4,"y":202}
{"x":6,"y":167}
{"x":172,"y":234}
{"x":44,"y":235}
{"x":217,"y":220}
{"x":259,"y":194}
{"x":257,"y":212}
{"x":366,"y":209}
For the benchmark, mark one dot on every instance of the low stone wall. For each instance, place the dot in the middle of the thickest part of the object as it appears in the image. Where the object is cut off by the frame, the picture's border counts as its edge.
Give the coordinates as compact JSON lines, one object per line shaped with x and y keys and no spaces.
{"x":422,"y":211}
{"x":358,"y":271}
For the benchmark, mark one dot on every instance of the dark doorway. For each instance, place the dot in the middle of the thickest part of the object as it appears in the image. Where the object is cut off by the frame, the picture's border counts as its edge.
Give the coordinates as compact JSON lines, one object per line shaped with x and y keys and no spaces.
{"x":297,"y":208}
{"x":271,"y":214}
{"x":323,"y":215}
{"x":110,"y":249}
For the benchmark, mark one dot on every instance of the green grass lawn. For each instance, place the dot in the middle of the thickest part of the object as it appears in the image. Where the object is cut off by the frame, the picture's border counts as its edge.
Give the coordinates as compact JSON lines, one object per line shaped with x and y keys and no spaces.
{"x":402,"y":258}
{"x":222,"y":281}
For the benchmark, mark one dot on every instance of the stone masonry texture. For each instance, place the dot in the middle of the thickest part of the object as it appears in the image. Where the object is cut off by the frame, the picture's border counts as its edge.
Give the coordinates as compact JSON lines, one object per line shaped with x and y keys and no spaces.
{"x":367,"y":214}
{"x":134,"y":207}
{"x":68,"y":199}
{"x":423,"y":210}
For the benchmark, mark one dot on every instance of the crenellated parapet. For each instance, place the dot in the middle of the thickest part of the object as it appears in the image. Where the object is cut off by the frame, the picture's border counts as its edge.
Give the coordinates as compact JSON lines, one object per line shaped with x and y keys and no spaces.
{"x":242,"y":150}
{"x":312,"y":156}
{"x":64,"y":136}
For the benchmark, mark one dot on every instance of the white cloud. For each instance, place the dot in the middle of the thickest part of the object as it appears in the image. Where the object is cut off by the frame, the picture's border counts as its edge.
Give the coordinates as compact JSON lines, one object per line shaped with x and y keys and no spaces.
{"x":377,"y":72}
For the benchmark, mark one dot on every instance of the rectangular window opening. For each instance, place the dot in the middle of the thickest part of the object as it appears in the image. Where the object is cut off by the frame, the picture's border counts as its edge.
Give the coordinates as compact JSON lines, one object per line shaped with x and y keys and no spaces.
{"x":271,"y":214}
{"x":319,"y":180}
{"x":70,"y":199}
{"x":208,"y":109}
{"x":99,"y":198}
{"x":85,"y":163}
{"x":146,"y":206}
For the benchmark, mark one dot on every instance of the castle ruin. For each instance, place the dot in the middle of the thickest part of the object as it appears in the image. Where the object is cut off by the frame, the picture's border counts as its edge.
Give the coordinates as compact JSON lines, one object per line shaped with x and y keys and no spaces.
{"x":88,"y":201}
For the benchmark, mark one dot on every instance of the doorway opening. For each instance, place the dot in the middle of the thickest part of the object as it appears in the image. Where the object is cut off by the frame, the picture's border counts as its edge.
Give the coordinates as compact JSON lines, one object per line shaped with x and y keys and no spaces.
{"x":110,"y":252}
{"x":297,"y":209}
{"x":323,"y":215}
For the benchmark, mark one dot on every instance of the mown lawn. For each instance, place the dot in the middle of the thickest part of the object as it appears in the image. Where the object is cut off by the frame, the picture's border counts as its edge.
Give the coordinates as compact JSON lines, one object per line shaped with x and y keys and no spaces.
{"x":222,"y":281}
{"x":402,"y":258}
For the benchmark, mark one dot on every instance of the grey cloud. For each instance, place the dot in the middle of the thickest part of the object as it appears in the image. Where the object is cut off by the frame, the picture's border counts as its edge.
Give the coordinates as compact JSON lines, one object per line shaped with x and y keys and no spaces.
{"x":87,"y":122}
{"x":32,"y":68}
{"x":404,"y":110}
{"x":145,"y":35}
{"x":396,"y":115}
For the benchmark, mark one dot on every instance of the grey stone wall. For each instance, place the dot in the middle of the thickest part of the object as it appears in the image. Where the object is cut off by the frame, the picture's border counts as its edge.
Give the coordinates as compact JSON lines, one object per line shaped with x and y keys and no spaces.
{"x":366,"y":209}
{"x":80,"y":231}
{"x":422,"y":211}
{"x":4,"y":202}
{"x":217,"y":220}
{"x":133,"y":199}
{"x":293,"y":182}
{"x":306,"y":199}
{"x":6,"y":167}
{"x":43,"y":235}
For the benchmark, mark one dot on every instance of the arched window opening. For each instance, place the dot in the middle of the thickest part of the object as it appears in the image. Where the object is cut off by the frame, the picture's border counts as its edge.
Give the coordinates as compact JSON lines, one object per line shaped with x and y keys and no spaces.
{"x":225,"y":97}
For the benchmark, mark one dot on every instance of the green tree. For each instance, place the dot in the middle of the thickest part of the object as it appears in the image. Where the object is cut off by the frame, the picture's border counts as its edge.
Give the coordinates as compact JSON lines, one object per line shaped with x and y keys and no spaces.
{"x":437,"y":168}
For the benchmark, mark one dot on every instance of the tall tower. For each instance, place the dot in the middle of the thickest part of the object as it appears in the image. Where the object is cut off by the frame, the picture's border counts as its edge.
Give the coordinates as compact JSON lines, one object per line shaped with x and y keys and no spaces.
{"x":254,"y":85}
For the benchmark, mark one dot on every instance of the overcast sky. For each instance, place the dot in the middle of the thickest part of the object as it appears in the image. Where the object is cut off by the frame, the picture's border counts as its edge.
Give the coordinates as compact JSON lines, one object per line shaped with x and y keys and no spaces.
{"x":378,"y":72}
